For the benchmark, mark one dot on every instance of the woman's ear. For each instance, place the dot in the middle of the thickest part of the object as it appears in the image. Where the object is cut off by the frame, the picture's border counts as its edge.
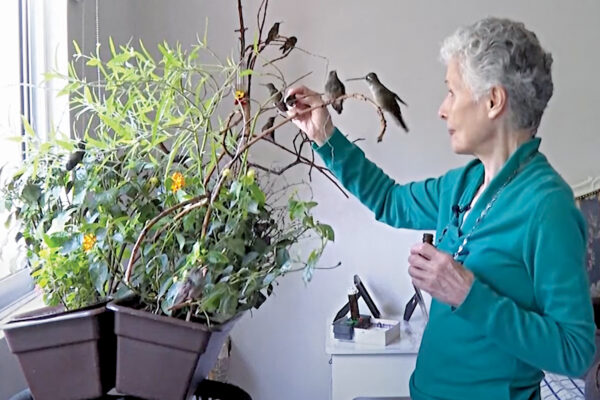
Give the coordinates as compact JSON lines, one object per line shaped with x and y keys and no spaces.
{"x":497,"y":102}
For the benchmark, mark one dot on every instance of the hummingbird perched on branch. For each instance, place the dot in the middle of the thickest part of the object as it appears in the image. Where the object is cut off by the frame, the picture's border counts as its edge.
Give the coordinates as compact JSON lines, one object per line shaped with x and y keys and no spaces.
{"x":289,"y":44}
{"x":191,"y":288}
{"x":273,"y":33}
{"x":277,"y":97}
{"x":334,"y":88}
{"x":384,"y":97}
{"x":269,"y":125}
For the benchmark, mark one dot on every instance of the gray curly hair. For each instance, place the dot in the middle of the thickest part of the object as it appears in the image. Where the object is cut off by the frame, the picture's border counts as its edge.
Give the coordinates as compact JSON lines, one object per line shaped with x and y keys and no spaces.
{"x":495,"y":51}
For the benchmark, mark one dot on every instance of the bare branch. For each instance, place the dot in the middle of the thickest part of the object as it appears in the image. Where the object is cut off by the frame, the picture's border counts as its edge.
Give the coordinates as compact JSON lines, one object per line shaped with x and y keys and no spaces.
{"x":242,"y":30}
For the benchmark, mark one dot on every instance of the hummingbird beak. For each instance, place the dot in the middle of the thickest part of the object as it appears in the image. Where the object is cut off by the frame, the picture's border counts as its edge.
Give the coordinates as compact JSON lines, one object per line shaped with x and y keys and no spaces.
{"x":357,"y":79}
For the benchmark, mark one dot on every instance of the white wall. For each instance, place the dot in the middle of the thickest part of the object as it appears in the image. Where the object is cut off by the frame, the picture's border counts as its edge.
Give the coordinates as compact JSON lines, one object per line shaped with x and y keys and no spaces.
{"x":279,"y":350}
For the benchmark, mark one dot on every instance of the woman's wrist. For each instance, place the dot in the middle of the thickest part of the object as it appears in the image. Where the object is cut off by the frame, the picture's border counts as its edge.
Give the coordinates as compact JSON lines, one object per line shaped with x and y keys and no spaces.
{"x":325,"y":134}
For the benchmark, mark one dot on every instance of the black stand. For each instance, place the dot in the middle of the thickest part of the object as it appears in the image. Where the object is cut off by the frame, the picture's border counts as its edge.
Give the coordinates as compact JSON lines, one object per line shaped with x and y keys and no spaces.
{"x":362,"y":292}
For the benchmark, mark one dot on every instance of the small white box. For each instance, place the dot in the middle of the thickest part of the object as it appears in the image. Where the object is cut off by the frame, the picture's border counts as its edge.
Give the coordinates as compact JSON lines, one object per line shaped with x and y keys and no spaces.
{"x":381,"y":332}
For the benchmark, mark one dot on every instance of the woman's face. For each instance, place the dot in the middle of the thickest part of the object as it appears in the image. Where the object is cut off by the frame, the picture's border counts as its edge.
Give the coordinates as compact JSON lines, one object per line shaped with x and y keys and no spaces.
{"x":466,"y":119}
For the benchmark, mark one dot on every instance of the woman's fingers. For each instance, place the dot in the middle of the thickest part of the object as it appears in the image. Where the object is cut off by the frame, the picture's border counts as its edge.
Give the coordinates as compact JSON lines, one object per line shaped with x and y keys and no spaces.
{"x":304,"y":97}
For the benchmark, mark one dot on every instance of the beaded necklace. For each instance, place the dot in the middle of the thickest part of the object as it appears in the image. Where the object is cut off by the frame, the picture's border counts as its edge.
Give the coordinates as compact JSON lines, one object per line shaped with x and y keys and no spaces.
{"x":485,"y":211}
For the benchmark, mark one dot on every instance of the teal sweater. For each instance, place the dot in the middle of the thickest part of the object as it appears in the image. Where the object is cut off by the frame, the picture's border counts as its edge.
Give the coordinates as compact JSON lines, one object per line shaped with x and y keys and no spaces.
{"x":529,"y":307}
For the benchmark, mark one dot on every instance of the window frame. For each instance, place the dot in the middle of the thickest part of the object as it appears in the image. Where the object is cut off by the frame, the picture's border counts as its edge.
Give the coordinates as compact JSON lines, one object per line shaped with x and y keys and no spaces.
{"x":20,"y":283}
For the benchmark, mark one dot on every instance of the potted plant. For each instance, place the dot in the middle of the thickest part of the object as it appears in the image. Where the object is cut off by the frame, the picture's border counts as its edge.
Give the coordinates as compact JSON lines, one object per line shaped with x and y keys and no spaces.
{"x":160,"y":203}
{"x":70,"y":249}
{"x":219,"y":240}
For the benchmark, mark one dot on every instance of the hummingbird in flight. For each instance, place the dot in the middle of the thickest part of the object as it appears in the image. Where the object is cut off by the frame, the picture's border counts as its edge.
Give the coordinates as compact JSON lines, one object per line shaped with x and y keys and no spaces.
{"x":384,"y":97}
{"x":334,"y":88}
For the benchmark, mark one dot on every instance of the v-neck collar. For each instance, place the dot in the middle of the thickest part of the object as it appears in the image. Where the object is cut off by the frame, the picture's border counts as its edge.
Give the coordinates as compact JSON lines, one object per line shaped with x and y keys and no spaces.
{"x":522,"y":154}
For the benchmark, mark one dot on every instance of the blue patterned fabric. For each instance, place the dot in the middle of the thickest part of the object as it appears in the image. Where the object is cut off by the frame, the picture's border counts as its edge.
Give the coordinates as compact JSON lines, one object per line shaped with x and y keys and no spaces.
{"x":590,"y":208}
{"x":558,"y":387}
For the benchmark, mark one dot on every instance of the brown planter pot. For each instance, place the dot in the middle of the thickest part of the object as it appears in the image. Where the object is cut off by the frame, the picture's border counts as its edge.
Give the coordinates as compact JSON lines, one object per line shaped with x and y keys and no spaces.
{"x":65,"y":355}
{"x":163,"y":358}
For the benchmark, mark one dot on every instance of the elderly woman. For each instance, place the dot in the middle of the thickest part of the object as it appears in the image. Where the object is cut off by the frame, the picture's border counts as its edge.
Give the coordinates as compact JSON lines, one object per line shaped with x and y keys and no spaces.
{"x":507,"y":277}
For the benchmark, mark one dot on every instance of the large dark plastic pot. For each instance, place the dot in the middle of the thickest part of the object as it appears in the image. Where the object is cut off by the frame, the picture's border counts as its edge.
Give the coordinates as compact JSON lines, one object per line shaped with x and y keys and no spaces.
{"x":65,"y":355}
{"x":160,"y":357}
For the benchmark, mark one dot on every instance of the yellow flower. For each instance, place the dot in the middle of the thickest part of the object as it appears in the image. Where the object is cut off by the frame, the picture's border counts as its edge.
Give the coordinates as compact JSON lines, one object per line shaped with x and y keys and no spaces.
{"x":239,"y":94}
{"x":251,"y":173}
{"x":239,"y":97}
{"x":178,"y":181}
{"x":226,"y":172}
{"x":88,"y":241}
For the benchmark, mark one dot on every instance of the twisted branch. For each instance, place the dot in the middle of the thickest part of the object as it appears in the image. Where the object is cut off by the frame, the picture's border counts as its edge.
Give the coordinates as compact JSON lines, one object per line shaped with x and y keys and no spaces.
{"x":150,"y":224}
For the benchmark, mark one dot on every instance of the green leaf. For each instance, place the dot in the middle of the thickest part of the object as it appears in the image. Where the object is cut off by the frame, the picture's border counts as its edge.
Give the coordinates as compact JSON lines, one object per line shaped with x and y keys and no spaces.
{"x":112,"y":46}
{"x":56,"y":240}
{"x":180,"y":240}
{"x":166,"y":284}
{"x":77,"y":49}
{"x":253,"y":207}
{"x":99,"y":274}
{"x":118,"y":237}
{"x":212,"y":300}
{"x":17,"y":139}
{"x":236,"y":188}
{"x":100,"y":233}
{"x":215,"y":257}
{"x":258,"y":195}
{"x":28,"y":129}
{"x":228,"y":304}
{"x":32,"y":192}
{"x":249,"y":258}
{"x":255,"y":44}
{"x":58,"y":223}
{"x":79,"y":194}
{"x":74,"y":243}
{"x":327,"y":231}
{"x":307,"y":274}
{"x":87,"y":94}
{"x":93,"y":62}
{"x":227,"y":271}
{"x":237,"y":246}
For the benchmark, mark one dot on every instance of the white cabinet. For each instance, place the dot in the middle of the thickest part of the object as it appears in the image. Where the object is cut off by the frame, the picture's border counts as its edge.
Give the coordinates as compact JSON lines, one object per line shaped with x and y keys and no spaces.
{"x":371,"y":370}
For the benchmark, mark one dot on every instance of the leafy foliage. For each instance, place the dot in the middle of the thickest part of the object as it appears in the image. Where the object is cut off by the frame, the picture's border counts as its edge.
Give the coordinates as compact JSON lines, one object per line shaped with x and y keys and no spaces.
{"x":157,"y":164}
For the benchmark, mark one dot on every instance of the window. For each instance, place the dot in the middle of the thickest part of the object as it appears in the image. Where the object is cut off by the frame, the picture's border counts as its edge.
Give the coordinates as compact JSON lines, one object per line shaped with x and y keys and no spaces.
{"x":34,"y":41}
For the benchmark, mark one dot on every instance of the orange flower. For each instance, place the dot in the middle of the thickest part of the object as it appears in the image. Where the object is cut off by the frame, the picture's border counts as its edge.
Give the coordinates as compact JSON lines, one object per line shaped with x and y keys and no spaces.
{"x":89,"y":240}
{"x":178,"y":181}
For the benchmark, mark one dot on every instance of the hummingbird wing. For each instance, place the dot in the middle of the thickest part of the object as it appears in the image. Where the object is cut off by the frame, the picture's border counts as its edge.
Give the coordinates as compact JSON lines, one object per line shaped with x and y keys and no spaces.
{"x":399,"y":99}
{"x":273,"y":32}
{"x":395,"y":111}
{"x":334,"y":89}
{"x":392,"y":106}
{"x":338,"y":106}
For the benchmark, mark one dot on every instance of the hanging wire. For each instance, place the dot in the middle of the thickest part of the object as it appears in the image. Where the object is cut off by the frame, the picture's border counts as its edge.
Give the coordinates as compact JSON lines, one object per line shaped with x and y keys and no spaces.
{"x":97,"y":50}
